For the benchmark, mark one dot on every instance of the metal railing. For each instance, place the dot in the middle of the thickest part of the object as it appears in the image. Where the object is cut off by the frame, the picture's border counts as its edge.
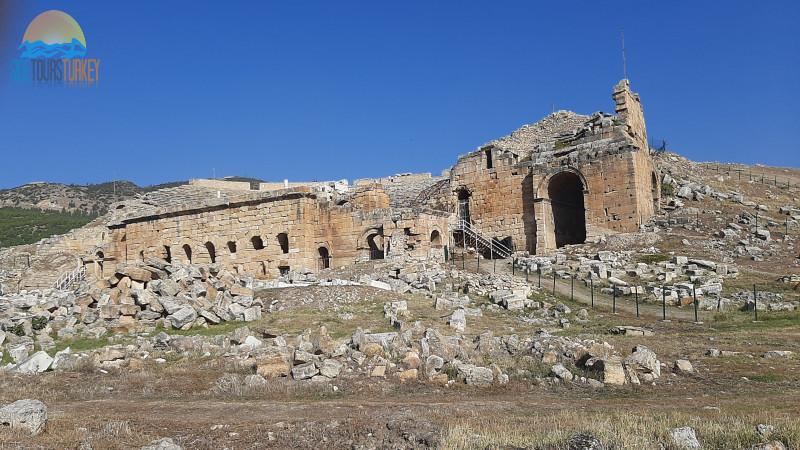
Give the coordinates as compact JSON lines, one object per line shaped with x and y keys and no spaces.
{"x":480,"y":239}
{"x":69,"y":277}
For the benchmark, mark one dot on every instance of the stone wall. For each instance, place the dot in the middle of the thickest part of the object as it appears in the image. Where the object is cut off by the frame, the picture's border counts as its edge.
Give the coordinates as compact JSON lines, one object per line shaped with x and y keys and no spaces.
{"x":629,"y":109}
{"x":245,"y":235}
{"x":604,"y":158}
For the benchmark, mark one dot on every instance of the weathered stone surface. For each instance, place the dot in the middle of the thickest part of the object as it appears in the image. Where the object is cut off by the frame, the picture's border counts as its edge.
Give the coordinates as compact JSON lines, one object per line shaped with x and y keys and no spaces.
{"x":683,"y":366}
{"x":30,"y":414}
{"x":480,"y":376}
{"x":181,"y":317}
{"x":684,"y":437}
{"x":561,"y":372}
{"x":304,"y":371}
{"x":458,"y":320}
{"x":628,"y":330}
{"x":36,"y":363}
{"x":162,"y":444}
{"x":644,"y":361}
{"x":330,"y":368}
{"x":581,"y":441}
{"x":274,"y":361}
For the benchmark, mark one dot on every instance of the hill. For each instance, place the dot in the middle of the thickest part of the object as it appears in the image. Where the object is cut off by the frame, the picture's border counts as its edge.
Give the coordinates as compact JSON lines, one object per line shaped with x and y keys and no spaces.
{"x":92,"y":199}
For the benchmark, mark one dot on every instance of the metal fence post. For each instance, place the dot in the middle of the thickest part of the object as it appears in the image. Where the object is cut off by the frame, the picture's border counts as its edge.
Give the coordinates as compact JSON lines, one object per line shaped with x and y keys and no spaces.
{"x":613,"y":299}
{"x":572,"y":288}
{"x":540,"y":276}
{"x":694,"y":294}
{"x":591,"y":280}
{"x":554,"y":282}
{"x":636,"y":294}
{"x":663,"y":303}
{"x":755,"y":301}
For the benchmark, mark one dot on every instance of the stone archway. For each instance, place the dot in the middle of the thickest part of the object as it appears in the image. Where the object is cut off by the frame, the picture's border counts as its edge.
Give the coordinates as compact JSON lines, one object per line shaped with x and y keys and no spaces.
{"x":566,"y":193}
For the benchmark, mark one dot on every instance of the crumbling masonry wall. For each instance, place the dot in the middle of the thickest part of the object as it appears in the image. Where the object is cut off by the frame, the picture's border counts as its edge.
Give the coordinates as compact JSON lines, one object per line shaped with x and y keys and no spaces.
{"x":507,"y":181}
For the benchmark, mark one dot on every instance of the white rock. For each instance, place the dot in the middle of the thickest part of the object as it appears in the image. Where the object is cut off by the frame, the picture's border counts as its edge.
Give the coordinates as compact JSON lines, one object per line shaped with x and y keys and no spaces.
{"x":684,"y":437}
{"x":28,"y":413}
{"x":37,"y":363}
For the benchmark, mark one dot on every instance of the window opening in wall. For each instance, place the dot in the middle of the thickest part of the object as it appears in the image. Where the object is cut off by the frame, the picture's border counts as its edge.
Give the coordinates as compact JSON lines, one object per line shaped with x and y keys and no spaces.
{"x":489,"y":159}
{"x":232,"y":247}
{"x":283,"y":240}
{"x":258,"y":244}
{"x":188,"y":250}
{"x":212,"y":253}
{"x":167,"y":254}
{"x":284,"y":270}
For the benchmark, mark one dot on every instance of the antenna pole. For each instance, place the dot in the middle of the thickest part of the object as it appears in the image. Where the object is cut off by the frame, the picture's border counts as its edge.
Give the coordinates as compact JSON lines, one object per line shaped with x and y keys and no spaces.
{"x":624,"y":68}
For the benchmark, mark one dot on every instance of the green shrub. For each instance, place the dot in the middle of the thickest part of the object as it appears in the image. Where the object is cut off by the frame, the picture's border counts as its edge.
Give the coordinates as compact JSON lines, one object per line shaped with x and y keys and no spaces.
{"x":667,"y":189}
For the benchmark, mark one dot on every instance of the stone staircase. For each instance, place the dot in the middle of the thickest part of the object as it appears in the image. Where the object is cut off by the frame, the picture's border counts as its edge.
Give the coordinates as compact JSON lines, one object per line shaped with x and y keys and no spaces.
{"x":70,"y":277}
{"x":481,"y":241}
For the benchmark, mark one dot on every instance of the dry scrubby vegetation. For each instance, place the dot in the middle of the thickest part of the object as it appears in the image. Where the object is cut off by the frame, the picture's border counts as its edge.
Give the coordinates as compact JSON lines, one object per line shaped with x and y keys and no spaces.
{"x":25,"y":226}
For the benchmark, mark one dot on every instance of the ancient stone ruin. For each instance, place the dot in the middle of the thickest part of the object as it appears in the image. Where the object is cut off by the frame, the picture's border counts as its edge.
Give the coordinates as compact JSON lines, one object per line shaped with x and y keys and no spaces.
{"x":546,"y":185}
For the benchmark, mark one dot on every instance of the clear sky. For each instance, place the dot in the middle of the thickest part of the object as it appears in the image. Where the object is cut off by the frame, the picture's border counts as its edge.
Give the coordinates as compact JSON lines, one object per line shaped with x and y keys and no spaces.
{"x":353,"y":89}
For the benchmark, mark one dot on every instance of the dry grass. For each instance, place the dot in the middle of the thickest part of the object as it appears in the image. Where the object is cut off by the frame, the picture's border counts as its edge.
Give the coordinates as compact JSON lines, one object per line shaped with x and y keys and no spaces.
{"x":623,"y":429}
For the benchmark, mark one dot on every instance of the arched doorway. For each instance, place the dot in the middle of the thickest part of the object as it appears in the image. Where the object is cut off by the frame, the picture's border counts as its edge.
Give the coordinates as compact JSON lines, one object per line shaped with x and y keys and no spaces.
{"x":212,"y":253}
{"x":283,"y":241}
{"x":167,"y":254}
{"x":463,"y":204}
{"x":324,"y":258}
{"x":565,"y":190}
{"x":436,"y":239}
{"x":98,"y":264}
{"x":375,"y":242}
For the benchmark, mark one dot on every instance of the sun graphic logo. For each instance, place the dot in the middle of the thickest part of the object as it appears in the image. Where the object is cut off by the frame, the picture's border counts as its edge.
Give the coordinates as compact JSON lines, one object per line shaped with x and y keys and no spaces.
{"x":52,"y":53}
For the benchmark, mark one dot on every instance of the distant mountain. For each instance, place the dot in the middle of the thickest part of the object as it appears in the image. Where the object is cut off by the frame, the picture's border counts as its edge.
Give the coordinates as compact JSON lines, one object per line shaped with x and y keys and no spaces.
{"x":93,"y":199}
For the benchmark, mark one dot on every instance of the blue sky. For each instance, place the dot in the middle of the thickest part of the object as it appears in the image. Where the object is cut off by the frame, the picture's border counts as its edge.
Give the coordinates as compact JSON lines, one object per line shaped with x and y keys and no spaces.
{"x":328,"y":90}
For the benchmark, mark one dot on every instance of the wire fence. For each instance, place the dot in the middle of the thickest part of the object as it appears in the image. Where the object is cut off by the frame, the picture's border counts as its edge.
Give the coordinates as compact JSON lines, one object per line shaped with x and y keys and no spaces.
{"x":784,"y":181}
{"x":664,"y":301}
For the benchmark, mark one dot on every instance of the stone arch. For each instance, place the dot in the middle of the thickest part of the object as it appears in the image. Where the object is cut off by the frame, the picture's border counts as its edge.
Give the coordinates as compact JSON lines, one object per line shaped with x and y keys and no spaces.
{"x":436,"y":239}
{"x":167,"y":253}
{"x":212,"y":252}
{"x":542,"y":188}
{"x":187,"y":250}
{"x":324,"y":257}
{"x":566,"y":191}
{"x":463,"y":198}
{"x":372,"y":239}
{"x":232,"y":247}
